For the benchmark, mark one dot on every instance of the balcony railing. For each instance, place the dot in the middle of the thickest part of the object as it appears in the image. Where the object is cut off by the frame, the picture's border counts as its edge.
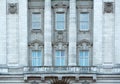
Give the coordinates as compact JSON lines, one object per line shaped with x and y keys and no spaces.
{"x":73,"y":69}
{"x":3,"y":70}
{"x":64,"y":69}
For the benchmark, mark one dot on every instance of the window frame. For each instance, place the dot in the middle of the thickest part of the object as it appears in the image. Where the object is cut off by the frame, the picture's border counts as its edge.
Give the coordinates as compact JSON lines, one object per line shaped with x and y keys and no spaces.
{"x":36,"y":21}
{"x":36,"y":10}
{"x":65,"y":62}
{"x":84,"y":58}
{"x":40,"y":58}
{"x":59,"y":21}
{"x":88,"y":22}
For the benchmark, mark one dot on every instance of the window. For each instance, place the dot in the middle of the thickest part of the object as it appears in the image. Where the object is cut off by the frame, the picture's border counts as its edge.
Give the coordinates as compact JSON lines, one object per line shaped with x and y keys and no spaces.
{"x":60,"y":21}
{"x":84,"y":58}
{"x":60,"y":58}
{"x":84,"y":21}
{"x":36,"y":58}
{"x":36,"y":20}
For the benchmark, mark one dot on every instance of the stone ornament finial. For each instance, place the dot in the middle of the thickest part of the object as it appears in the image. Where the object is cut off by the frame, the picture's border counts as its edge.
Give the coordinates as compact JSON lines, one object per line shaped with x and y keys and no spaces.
{"x":108,"y":7}
{"x":12,"y":8}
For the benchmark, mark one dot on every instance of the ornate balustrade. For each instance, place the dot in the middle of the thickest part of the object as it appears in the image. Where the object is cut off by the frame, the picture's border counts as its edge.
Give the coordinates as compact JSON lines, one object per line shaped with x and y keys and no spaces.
{"x":3,"y":70}
{"x":73,"y":69}
{"x":65,"y":69}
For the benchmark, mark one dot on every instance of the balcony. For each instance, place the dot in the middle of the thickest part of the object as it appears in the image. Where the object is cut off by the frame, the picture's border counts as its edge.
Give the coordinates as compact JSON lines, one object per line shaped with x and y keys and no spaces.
{"x":73,"y":69}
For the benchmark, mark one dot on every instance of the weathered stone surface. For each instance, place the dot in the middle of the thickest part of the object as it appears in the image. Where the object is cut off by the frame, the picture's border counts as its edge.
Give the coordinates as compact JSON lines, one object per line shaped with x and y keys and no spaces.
{"x":47,"y":34}
{"x":97,"y":33}
{"x":3,"y":49}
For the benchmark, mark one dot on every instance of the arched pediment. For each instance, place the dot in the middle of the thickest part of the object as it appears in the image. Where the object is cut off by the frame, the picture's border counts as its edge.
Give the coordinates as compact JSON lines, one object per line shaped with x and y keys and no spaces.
{"x":85,"y":41}
{"x":32,"y":43}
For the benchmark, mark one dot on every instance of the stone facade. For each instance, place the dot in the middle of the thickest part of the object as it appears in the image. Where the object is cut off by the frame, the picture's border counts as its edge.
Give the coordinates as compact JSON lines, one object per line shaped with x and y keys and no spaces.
{"x":19,"y":40}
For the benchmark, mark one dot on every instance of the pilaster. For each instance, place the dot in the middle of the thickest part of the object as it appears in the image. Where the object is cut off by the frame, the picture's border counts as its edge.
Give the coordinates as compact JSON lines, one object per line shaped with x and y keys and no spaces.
{"x":47,"y":34}
{"x":23,"y":31}
{"x":97,"y":32}
{"x":12,"y":32}
{"x":117,"y":31}
{"x":3,"y":32}
{"x":72,"y":33}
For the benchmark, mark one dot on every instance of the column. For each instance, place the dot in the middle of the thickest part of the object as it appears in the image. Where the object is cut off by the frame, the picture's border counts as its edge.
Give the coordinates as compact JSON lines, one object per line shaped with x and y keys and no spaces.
{"x":3,"y":32}
{"x":117,"y":31}
{"x":12,"y":33}
{"x":72,"y":34}
{"x":108,"y":34}
{"x":97,"y":32}
{"x":23,"y":47}
{"x":47,"y":34}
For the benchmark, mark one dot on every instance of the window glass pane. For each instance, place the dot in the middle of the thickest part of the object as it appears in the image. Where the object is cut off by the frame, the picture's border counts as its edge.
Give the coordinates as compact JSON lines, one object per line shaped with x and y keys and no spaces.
{"x":60,"y":25}
{"x":35,"y":25}
{"x":84,"y":17}
{"x":86,"y":53}
{"x":84,"y":21}
{"x":84,"y":58}
{"x":60,"y":21}
{"x":84,"y":25}
{"x":57,"y":61}
{"x":36,"y":20}
{"x":60,"y":58}
{"x":81,"y":54}
{"x":62,"y":53}
{"x":57,"y":53}
{"x":63,"y":62}
{"x":36,"y":17}
{"x":60,"y":17}
{"x":33,"y":62}
{"x":36,"y":58}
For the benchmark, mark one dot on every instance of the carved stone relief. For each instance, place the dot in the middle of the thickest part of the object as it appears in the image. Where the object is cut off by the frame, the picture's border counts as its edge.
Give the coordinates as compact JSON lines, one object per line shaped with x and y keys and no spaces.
{"x":60,"y":4}
{"x":60,"y":37}
{"x":35,"y":44}
{"x":85,"y":82}
{"x":84,"y":44}
{"x":108,"y":7}
{"x":12,"y":8}
{"x":34,"y":82}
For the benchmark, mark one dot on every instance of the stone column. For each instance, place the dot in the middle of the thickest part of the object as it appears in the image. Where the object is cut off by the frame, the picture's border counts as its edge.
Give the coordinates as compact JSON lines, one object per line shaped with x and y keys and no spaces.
{"x":3,"y":32}
{"x":12,"y":33}
{"x":108,"y":33}
{"x":97,"y":32}
{"x":72,"y":34}
{"x":47,"y":34}
{"x":23,"y":9}
{"x":117,"y":32}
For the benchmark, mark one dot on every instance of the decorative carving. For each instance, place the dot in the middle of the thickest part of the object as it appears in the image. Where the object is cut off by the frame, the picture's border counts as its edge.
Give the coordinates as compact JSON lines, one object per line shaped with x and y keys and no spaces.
{"x":62,"y":81}
{"x":60,"y":4}
{"x":60,"y":45}
{"x":35,"y":44}
{"x":60,"y":37}
{"x":12,"y":8}
{"x":108,"y":7}
{"x":34,"y":82}
{"x":85,"y":82}
{"x":84,"y":44}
